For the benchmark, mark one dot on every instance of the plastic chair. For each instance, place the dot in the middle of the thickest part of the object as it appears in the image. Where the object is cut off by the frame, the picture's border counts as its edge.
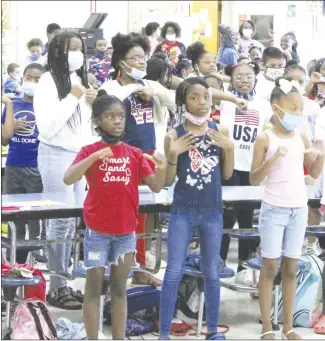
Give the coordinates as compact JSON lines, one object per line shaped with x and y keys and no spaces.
{"x":5,"y":244}
{"x":10,"y":286}
{"x":256,"y":264}
{"x":189,"y":271}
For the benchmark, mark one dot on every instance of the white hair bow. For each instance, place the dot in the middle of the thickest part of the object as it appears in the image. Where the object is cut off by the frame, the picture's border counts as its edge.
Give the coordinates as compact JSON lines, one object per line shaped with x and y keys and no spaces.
{"x":286,"y":86}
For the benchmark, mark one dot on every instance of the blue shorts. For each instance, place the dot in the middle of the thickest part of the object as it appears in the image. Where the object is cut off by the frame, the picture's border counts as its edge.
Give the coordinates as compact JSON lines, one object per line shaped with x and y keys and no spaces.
{"x":282,"y":230}
{"x":101,"y":250}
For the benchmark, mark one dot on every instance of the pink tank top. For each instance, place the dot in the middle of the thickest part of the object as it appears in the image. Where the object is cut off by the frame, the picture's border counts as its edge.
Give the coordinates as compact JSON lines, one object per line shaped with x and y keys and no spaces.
{"x":285,"y":185}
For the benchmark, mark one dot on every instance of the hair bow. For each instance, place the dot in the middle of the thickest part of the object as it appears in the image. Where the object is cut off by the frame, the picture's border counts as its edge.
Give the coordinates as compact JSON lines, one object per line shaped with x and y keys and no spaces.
{"x":286,"y":86}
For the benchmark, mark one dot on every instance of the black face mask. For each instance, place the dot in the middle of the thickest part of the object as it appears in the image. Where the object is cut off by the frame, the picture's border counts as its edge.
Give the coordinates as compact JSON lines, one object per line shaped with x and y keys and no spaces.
{"x":110,"y":139}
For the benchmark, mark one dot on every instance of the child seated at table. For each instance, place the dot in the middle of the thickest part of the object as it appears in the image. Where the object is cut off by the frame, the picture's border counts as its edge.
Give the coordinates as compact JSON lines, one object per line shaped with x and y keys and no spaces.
{"x":198,"y":151}
{"x":113,"y":170}
{"x":12,"y":86}
{"x":21,"y":172}
{"x":284,"y":213}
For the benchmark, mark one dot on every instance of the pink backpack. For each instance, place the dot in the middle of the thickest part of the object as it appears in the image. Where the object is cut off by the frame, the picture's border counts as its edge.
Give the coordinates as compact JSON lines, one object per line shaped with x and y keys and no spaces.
{"x":32,"y":321}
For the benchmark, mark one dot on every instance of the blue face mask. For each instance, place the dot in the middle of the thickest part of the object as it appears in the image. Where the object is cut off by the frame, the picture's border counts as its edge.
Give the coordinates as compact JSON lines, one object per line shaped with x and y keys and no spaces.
{"x":289,"y":121}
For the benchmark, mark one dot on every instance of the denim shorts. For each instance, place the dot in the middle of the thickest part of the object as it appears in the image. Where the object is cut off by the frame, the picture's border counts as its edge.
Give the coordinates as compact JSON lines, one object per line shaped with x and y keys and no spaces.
{"x":101,"y":250}
{"x":282,"y":230}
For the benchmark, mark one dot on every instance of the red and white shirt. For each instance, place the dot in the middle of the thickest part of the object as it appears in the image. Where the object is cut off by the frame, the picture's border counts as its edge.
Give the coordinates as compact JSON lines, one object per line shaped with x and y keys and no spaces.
{"x":112,"y":202}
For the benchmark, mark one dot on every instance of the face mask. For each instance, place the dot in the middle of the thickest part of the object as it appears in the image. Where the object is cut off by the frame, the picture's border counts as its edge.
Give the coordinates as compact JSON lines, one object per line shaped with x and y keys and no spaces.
{"x":171,"y":37}
{"x":274,"y":73}
{"x":290,"y":122}
{"x":17,"y":78}
{"x":135,"y":74}
{"x":247,"y":32}
{"x":110,"y":139}
{"x":75,"y":60}
{"x":29,"y":88}
{"x":196,"y":119}
{"x":35,"y":55}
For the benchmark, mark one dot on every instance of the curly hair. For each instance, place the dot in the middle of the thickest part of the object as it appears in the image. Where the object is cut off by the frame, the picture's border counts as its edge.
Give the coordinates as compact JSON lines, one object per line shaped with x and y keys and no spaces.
{"x":196,"y":51}
{"x":123,"y":43}
{"x":151,"y":28}
{"x":174,"y":25}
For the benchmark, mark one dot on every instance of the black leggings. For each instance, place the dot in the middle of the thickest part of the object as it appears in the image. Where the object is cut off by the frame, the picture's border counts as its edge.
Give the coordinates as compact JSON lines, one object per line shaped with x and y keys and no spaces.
{"x":245,"y":220}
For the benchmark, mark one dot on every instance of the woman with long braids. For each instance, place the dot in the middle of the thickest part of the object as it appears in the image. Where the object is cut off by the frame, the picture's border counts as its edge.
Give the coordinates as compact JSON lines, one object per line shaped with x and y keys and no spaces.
{"x":63,"y":112}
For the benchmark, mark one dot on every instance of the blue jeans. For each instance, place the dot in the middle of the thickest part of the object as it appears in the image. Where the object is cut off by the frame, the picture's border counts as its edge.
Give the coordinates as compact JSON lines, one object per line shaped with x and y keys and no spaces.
{"x":180,"y":230}
{"x":52,"y":164}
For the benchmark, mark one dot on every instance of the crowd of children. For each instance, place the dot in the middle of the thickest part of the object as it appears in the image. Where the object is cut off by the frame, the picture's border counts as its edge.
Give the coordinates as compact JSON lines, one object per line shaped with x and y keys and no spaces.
{"x":119,"y":119}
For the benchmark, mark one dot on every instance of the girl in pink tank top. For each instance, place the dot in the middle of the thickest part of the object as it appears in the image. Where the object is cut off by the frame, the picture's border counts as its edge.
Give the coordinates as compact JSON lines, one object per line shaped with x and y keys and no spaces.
{"x":279,"y":157}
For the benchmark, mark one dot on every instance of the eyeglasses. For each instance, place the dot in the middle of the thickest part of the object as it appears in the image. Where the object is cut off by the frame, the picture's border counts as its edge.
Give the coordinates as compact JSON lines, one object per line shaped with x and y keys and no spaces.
{"x":138,"y":58}
{"x":241,"y":78}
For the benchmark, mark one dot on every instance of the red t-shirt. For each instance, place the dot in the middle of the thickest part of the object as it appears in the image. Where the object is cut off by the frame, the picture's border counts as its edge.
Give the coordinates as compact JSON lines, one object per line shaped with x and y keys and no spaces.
{"x":112,"y":202}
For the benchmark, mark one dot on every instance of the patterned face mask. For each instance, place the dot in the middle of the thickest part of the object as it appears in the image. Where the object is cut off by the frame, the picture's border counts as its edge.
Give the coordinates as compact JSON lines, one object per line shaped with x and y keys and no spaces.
{"x":274,"y":73}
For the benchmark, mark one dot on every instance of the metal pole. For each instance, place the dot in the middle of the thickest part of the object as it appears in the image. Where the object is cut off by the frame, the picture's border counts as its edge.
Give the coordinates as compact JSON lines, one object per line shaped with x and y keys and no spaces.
{"x":13,"y":238}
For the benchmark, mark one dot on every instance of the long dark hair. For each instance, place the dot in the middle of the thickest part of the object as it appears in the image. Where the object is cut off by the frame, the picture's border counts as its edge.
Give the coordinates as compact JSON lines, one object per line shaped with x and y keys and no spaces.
{"x":58,"y":66}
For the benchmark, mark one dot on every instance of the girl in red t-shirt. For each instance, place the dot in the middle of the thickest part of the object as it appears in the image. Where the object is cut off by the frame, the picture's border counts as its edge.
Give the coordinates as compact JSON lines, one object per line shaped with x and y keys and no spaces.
{"x":113,"y":170}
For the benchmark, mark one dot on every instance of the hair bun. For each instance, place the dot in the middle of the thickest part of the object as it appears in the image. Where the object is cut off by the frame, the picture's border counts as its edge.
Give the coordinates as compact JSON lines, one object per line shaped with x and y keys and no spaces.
{"x":195,"y":50}
{"x":101,"y":92}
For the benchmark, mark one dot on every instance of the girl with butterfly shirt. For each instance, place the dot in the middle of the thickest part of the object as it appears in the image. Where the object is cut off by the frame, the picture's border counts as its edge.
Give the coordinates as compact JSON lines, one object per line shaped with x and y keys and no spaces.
{"x":243,"y":126}
{"x":195,"y":150}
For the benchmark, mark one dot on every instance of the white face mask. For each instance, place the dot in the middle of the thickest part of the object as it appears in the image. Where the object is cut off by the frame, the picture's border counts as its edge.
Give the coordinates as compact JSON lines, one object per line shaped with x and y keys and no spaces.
{"x":247,"y":32}
{"x":17,"y":78}
{"x":171,"y":37}
{"x":135,"y":74}
{"x":274,"y":73}
{"x":29,"y":88}
{"x":75,"y":60}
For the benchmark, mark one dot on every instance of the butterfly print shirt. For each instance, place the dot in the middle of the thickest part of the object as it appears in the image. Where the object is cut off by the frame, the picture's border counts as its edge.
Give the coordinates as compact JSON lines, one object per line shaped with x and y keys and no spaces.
{"x":198,"y":172}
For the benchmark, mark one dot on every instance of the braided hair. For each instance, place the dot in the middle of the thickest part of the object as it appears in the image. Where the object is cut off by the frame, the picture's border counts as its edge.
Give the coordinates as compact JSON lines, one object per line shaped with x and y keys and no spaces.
{"x":58,"y":66}
{"x":183,"y":90}
{"x":102,"y":103}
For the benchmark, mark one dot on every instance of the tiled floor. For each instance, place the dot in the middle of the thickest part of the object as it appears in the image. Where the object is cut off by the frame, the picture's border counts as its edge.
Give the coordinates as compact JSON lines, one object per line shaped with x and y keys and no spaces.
{"x":237,"y":310}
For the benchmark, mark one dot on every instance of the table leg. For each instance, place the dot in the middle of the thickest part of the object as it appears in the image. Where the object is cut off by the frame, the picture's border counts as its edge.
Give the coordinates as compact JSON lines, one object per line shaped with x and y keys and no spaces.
{"x":76,"y":246}
{"x":13,"y":240}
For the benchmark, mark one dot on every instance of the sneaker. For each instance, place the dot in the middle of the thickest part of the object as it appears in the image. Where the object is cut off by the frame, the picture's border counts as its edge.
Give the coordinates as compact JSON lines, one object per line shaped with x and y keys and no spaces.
{"x":101,"y":336}
{"x":216,"y":336}
{"x":243,"y":278}
{"x":312,"y":250}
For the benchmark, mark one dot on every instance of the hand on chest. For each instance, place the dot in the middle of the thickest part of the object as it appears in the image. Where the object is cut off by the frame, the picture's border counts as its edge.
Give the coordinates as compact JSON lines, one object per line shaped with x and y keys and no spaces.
{"x":203,"y":163}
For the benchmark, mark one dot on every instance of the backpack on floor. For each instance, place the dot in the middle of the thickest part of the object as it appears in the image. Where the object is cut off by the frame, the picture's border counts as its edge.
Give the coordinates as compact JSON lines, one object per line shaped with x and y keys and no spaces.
{"x":308,"y":302}
{"x":32,"y":321}
{"x":143,"y":308}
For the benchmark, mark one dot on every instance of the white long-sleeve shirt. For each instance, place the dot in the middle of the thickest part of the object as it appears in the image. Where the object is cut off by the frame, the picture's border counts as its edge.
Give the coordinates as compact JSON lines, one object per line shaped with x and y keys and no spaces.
{"x":52,"y":116}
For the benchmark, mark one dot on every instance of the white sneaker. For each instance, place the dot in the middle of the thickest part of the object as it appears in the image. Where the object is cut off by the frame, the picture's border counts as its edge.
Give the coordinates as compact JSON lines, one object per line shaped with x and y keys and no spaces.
{"x":101,"y":336}
{"x":312,"y":250}
{"x":244,"y":277}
